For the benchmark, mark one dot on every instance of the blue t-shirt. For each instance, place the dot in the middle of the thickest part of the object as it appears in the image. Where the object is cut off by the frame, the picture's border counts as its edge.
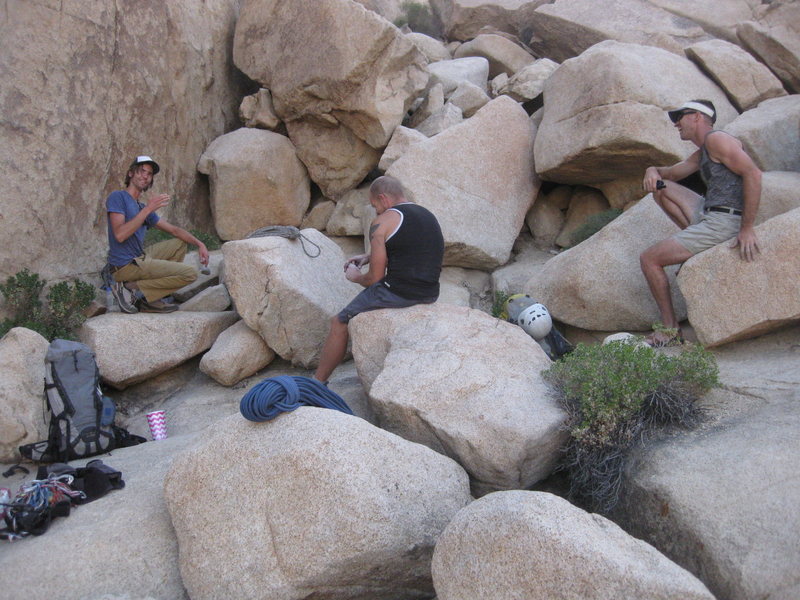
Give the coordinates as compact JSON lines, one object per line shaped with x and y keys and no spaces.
{"x":121,"y":253}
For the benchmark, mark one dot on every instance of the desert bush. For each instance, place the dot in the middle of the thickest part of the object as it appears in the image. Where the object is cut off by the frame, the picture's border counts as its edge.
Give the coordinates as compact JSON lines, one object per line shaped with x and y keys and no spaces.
{"x":499,"y":302}
{"x":59,"y":317}
{"x":593,"y":224}
{"x":617,"y":394}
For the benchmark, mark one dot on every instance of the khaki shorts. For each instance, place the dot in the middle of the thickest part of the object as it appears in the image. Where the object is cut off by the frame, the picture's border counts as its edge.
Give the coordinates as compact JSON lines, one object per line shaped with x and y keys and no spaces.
{"x":708,"y":229}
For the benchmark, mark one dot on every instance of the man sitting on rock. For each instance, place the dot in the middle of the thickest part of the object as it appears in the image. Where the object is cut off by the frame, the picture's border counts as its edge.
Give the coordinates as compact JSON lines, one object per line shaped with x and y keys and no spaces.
{"x":405,"y":261}
{"x":142,"y":280}
{"x":727,"y":211}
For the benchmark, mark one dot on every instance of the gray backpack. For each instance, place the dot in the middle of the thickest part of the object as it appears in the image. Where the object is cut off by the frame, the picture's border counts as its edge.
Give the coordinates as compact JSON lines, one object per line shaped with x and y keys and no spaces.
{"x":81,"y":418}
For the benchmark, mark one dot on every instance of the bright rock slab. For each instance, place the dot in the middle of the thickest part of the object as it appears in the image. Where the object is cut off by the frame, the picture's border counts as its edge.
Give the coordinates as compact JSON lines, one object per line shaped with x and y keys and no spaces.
{"x":731,"y":299}
{"x":538,"y":546}
{"x":237,"y":353}
{"x":132,"y":348}
{"x":465,"y":384}
{"x":478,"y":183}
{"x":284,"y":294}
{"x":326,"y":506}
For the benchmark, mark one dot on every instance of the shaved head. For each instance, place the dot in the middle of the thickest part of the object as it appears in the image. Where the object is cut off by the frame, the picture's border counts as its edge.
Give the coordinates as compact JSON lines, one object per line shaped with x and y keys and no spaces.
{"x":388,"y":186}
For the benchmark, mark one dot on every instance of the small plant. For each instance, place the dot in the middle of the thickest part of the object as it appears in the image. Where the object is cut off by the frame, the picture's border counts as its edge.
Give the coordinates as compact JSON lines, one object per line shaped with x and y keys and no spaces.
{"x":58,"y":318}
{"x":419,"y":18}
{"x":594,"y":224}
{"x":154,"y":235}
{"x":616,"y":394}
{"x":499,"y":303}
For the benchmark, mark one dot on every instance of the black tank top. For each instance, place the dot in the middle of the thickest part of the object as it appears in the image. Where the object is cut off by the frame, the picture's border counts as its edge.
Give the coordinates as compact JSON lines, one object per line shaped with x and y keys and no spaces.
{"x":415,"y":252}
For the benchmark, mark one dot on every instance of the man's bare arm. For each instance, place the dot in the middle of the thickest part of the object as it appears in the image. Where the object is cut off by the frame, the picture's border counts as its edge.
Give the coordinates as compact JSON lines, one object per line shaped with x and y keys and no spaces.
{"x":676,"y":172}
{"x":380,"y":229}
{"x":122,"y":230}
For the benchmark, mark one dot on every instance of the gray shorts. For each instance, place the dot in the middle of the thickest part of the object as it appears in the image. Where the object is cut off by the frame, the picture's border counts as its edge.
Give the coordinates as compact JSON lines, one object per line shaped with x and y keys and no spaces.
{"x":708,"y":229}
{"x":374,"y":297}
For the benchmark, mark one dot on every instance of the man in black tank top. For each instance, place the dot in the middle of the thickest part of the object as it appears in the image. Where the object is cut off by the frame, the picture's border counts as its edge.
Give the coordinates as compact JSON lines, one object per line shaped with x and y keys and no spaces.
{"x":405,"y":261}
{"x":728,"y":210}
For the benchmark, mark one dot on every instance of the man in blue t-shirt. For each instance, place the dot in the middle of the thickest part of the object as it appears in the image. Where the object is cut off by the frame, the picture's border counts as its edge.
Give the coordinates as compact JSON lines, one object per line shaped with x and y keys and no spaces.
{"x":142,"y":278}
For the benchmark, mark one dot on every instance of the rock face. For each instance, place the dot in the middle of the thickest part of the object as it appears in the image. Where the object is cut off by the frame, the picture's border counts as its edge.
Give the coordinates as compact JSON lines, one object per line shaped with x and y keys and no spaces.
{"x":504,"y":56}
{"x":256,"y":180}
{"x":730,"y":299}
{"x":717,"y":18}
{"x":775,"y":39}
{"x":153,"y":343}
{"x":746,"y":81}
{"x":96,"y":85}
{"x":446,"y":117}
{"x":433,"y":49}
{"x":769,"y":133}
{"x":450,"y":73}
{"x":463,"y":19}
{"x":721,"y":502}
{"x":528,"y":83}
{"x":402,"y":139}
{"x":213,"y":299}
{"x":607,"y":108}
{"x":237,"y":353}
{"x":388,"y":501}
{"x":566,"y":28}
{"x":339,"y":92}
{"x":478,"y":184}
{"x":469,"y":98}
{"x":778,"y":194}
{"x":537,"y":545}
{"x":22,"y":370}
{"x":598,"y":284}
{"x":256,"y":110}
{"x":429,"y":377}
{"x":285,"y":295}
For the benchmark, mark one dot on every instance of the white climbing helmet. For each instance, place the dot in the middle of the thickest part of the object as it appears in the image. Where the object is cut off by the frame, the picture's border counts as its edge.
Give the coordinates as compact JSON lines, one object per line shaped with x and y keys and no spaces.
{"x":536,"y":321}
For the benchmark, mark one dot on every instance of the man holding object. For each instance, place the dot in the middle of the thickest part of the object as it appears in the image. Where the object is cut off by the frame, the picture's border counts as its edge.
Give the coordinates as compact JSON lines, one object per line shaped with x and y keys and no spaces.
{"x":142,"y":280}
{"x":727,"y":211}
{"x":405,"y":261}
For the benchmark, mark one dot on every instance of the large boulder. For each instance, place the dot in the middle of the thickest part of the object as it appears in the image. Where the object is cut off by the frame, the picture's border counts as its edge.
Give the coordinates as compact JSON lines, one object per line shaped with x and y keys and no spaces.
{"x":770,"y":133}
{"x":598,"y":284}
{"x":504,"y":56}
{"x":469,"y":98}
{"x":256,"y":110}
{"x":537,"y":545}
{"x":212,"y":299}
{"x":565,"y":28}
{"x":527,"y":261}
{"x":584,"y":203}
{"x":466,"y":385}
{"x":88,"y":87}
{"x":134,"y":520}
{"x":341,"y":78}
{"x":256,"y":180}
{"x":433,"y":49}
{"x":774,"y":37}
{"x":346,"y":216}
{"x":327,"y":506}
{"x":778,"y":194}
{"x":546,"y":217}
{"x":746,"y":81}
{"x":402,"y":139}
{"x":132,"y":348}
{"x":604,"y":113}
{"x":450,"y":73}
{"x":22,"y":370}
{"x":528,"y":83}
{"x":463,"y":19}
{"x":719,"y":19}
{"x":722,"y":501}
{"x":478,"y":183}
{"x":730,"y":299}
{"x":237,"y":353}
{"x":284,"y":294}
{"x":444,"y":118}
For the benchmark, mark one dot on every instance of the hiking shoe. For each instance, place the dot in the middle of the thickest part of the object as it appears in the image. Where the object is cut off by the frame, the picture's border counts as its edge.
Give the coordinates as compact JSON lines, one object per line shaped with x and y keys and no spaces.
{"x":124,"y":297}
{"x":156,"y":306}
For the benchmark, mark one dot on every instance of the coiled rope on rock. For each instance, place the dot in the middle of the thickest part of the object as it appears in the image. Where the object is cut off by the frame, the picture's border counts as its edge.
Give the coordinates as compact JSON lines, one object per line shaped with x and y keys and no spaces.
{"x":285,"y":393}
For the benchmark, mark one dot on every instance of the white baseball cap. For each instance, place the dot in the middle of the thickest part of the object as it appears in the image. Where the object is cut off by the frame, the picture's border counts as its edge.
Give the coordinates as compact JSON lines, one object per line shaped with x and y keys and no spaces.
{"x":693,"y":106}
{"x":144,"y":159}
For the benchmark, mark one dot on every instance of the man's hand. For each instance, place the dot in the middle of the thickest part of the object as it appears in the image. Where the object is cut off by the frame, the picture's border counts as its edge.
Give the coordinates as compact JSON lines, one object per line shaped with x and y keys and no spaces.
{"x":352,"y":272}
{"x":359,"y":261}
{"x":154,"y":202}
{"x":748,"y":244}
{"x":203,"y":252}
{"x":651,"y":177}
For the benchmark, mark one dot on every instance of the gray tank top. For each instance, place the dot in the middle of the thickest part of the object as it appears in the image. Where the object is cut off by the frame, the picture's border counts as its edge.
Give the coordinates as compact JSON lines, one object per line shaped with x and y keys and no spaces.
{"x":724,"y":187}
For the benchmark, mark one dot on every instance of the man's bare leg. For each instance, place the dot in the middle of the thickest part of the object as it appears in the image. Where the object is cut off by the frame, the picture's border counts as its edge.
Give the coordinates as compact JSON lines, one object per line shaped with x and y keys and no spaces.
{"x":333,"y":351}
{"x":653,"y":260}
{"x":679,"y":203}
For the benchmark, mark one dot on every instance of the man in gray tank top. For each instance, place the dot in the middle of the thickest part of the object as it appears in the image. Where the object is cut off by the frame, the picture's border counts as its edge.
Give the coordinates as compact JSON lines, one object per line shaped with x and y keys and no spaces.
{"x":727,"y":211}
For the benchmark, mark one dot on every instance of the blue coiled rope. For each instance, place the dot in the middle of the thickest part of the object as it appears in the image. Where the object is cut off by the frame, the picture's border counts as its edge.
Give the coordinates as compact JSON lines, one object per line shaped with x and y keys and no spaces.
{"x":285,"y":393}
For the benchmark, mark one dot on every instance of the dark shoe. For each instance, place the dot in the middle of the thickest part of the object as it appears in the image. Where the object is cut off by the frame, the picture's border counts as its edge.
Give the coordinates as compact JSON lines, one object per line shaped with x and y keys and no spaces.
{"x":157,"y":306}
{"x":124,"y":297}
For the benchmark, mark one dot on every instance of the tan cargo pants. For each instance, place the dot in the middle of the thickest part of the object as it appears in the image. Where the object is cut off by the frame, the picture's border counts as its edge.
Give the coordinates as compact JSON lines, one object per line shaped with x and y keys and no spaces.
{"x":160,"y":271}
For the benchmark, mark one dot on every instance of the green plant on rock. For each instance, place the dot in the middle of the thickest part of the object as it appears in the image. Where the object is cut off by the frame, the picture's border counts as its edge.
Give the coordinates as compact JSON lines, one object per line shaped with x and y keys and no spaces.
{"x":499,"y":302}
{"x":616,"y":394}
{"x":154,"y":235}
{"x":420,"y":19}
{"x":593,"y":224}
{"x":59,"y":317}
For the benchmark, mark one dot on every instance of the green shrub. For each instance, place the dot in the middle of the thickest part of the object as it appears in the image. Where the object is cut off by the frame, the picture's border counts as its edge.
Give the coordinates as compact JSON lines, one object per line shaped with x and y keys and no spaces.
{"x":616,"y":394}
{"x":154,"y":235}
{"x":593,"y":224}
{"x":58,"y":318}
{"x":420,"y":19}
{"x":500,"y":299}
